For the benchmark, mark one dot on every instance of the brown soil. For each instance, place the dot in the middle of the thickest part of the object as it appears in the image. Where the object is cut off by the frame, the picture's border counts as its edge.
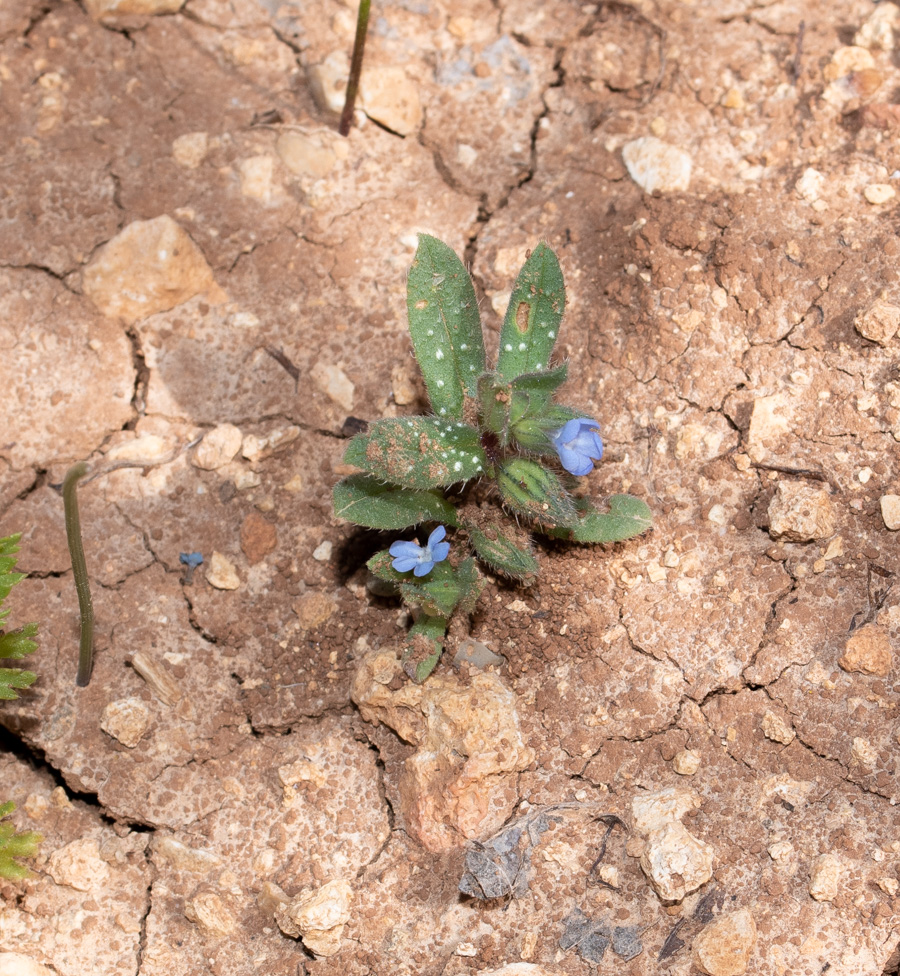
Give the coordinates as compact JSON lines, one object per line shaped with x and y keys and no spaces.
{"x":731,"y":333}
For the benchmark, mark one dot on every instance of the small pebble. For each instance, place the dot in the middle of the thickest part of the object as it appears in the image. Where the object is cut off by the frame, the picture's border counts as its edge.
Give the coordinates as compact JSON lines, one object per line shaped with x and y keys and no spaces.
{"x":686,"y":762}
{"x":825,"y":877}
{"x":322,"y":552}
{"x":879,"y":193}
{"x":221,"y":573}
{"x":890,"y":511}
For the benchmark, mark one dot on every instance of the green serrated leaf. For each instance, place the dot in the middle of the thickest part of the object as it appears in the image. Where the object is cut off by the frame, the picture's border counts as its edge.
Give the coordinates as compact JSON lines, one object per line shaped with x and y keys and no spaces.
{"x":529,"y":488}
{"x":445,"y":326}
{"x":17,"y":643}
{"x":15,"y":845}
{"x":362,"y":499}
{"x":418,"y":452}
{"x":14,"y":678}
{"x":627,"y":517}
{"x":501,"y":553}
{"x":14,"y":644}
{"x":532,"y":320}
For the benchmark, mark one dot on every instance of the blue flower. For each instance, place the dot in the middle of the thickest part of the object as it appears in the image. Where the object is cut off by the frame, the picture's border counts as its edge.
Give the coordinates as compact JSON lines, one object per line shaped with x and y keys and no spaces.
{"x":578,"y":445}
{"x":420,"y":559}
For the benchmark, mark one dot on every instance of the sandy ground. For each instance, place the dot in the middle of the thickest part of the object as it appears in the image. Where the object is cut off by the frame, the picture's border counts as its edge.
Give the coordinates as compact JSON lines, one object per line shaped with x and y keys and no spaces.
{"x":188,"y":248}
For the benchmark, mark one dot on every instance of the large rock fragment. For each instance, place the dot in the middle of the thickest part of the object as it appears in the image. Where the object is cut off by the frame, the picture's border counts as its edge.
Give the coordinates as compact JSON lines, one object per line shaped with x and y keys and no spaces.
{"x":460,"y":783}
{"x":656,"y":166}
{"x":825,"y":877}
{"x":801,"y":513}
{"x":675,"y":862}
{"x":879,"y":322}
{"x":111,"y":10}
{"x":868,"y":651}
{"x":126,"y":720}
{"x":149,"y":267}
{"x":723,"y":948}
{"x":210,"y":910}
{"x":79,"y":865}
{"x":318,"y":917}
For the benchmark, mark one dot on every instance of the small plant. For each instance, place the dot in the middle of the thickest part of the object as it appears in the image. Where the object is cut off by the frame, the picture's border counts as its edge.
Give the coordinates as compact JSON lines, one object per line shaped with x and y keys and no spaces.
{"x":14,"y":845}
{"x":14,"y":644}
{"x":498,"y":459}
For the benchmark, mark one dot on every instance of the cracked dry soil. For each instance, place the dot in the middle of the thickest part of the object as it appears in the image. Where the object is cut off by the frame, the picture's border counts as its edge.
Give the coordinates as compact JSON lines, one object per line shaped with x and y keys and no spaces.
{"x":187,"y":248}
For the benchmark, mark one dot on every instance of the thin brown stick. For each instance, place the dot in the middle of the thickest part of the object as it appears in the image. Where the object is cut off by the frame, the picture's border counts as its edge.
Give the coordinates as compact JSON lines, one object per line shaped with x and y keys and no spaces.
{"x":359,"y":44}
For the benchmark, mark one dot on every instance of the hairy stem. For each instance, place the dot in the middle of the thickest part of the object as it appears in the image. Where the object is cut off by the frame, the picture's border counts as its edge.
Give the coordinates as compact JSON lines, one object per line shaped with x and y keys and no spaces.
{"x":79,"y":570}
{"x":359,"y":44}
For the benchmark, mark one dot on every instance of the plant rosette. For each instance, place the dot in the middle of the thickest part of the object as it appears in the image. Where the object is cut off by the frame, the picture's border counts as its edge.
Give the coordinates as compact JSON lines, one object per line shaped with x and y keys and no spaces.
{"x":499,"y":451}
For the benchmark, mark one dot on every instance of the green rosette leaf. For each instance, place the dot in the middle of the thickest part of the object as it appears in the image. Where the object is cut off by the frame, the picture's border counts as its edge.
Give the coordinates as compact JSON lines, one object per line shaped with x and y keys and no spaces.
{"x":502,"y":553}
{"x":364,"y":500}
{"x":532,"y":320}
{"x":530,"y":489}
{"x":418,"y":452}
{"x":445,"y":326}
{"x":627,"y":517}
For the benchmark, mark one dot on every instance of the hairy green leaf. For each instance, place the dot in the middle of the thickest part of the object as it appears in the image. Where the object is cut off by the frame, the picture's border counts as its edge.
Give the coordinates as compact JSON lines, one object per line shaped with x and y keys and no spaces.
{"x":501,"y":553}
{"x":362,"y":499}
{"x":418,"y":452}
{"x":627,"y":517}
{"x":445,"y":326}
{"x":529,"y":488}
{"x":424,"y":645}
{"x":532,"y":319}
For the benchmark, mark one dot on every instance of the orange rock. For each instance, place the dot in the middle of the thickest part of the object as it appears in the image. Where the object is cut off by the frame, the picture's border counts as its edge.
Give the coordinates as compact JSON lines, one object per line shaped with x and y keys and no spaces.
{"x":868,"y":651}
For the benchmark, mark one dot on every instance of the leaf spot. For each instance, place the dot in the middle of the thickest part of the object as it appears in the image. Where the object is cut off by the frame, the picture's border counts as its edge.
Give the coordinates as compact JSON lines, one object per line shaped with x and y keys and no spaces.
{"x":522,"y":312}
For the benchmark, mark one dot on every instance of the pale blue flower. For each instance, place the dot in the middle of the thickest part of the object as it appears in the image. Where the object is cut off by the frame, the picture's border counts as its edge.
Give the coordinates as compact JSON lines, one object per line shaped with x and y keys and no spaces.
{"x":420,"y":559}
{"x":578,"y":445}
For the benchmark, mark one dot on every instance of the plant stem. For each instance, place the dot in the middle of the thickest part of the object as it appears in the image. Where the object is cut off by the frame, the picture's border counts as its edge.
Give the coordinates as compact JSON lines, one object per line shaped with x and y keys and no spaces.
{"x":359,"y":44}
{"x":79,"y":570}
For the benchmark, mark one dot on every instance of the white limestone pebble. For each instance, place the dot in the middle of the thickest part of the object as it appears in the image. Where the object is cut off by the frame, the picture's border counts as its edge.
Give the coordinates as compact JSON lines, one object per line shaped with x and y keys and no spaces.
{"x":18,"y":964}
{"x":335,"y":384}
{"x":879,"y":322}
{"x":190,"y":149}
{"x":314,"y":153}
{"x":79,"y":865}
{"x":318,"y":917}
{"x":209,"y":910}
{"x":390,"y":97}
{"x":322,"y":552}
{"x":110,"y":10}
{"x":126,"y":720}
{"x":877,"y":30}
{"x":686,"y":762}
{"x":868,"y":651}
{"x":257,"y":177}
{"x":890,"y":511}
{"x":775,"y":728}
{"x":675,"y":862}
{"x":877,"y":193}
{"x":801,"y":513}
{"x":218,"y":447}
{"x":221,"y":573}
{"x":657,"y":166}
{"x":825,"y":877}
